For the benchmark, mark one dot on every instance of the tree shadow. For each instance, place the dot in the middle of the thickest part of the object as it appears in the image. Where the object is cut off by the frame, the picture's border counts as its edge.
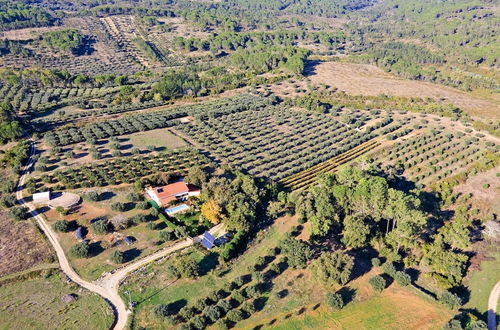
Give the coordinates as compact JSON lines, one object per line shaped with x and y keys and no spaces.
{"x":95,"y":248}
{"x":362,"y":263}
{"x":209,"y":262}
{"x":131,"y":254}
{"x":348,"y":294}
{"x":176,"y":306}
{"x":260,"y":303}
{"x":107,"y":195}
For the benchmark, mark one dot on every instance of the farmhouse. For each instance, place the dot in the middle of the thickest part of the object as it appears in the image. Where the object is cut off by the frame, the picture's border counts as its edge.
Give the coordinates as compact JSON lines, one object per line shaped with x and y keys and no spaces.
{"x":178,"y":191}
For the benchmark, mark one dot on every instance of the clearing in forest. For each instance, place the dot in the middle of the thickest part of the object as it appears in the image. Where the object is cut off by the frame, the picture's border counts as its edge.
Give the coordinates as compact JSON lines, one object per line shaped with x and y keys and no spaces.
{"x":370,"y":80}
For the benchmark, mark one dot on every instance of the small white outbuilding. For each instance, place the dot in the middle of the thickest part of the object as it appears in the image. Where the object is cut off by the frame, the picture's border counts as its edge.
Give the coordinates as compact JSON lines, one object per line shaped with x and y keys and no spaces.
{"x":42,"y":197}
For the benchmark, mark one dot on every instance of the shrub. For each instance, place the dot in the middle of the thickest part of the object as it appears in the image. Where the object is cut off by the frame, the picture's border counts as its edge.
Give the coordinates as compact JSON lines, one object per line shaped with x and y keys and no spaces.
{"x":186,"y":313}
{"x":119,"y":207}
{"x":80,"y":250}
{"x":92,"y":196}
{"x":19,"y":213}
{"x":221,"y":325}
{"x":100,"y":227}
{"x":248,"y":307}
{"x":235,"y":315}
{"x":199,"y":322}
{"x":486,"y":186}
{"x":161,"y":310}
{"x":212,"y":312}
{"x":117,"y":257}
{"x":142,"y":205}
{"x":134,"y":197}
{"x":334,"y":300}
{"x":224,"y":305}
{"x":376,"y":262}
{"x":389,"y":269}
{"x":449,"y":299}
{"x":165,"y":236}
{"x":453,"y":325}
{"x":402,"y":278}
{"x":378,"y":283}
{"x":61,"y":226}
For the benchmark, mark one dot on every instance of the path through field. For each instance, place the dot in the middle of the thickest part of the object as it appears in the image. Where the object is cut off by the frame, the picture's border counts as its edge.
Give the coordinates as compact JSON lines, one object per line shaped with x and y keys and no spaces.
{"x":107,"y":286}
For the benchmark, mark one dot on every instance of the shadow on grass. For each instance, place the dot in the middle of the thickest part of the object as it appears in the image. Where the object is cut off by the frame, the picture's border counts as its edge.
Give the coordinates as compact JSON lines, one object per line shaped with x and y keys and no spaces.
{"x":131,"y":254}
{"x":209,"y":262}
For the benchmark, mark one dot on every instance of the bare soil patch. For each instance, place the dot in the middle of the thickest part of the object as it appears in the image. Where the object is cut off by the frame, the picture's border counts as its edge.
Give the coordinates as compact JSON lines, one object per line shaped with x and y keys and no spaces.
{"x":486,"y":197}
{"x":367,"y":79}
{"x":21,"y":245}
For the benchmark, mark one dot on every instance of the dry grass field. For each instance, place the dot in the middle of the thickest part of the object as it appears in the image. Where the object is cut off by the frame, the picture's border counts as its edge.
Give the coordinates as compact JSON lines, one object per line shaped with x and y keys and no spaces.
{"x":367,"y":79}
{"x":21,"y":245}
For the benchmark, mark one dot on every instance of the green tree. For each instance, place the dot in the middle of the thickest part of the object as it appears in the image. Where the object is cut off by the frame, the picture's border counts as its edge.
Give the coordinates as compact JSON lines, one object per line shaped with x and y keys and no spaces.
{"x":378,"y":283}
{"x":334,"y":300}
{"x":61,"y":226}
{"x":80,"y":250}
{"x":356,"y":231}
{"x":100,"y":227}
{"x":298,"y":252}
{"x":450,"y":299}
{"x":333,"y":267}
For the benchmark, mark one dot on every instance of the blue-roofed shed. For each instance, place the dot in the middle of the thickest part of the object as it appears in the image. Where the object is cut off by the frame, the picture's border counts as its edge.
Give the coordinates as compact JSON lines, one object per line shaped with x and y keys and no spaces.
{"x":129,"y":240}
{"x":79,"y":234}
{"x":207,"y":240}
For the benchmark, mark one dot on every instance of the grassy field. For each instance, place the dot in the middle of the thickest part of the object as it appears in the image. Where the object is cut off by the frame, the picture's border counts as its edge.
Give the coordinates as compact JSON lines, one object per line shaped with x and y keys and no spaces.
{"x":158,"y":138}
{"x":364,"y":79}
{"x":482,"y":281}
{"x":395,"y":308}
{"x":153,"y":286}
{"x":37,"y":304}
{"x":21,"y":245}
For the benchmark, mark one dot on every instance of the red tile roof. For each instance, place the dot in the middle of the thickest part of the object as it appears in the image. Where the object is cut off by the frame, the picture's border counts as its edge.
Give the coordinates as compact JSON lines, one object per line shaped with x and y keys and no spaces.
{"x":168,"y":193}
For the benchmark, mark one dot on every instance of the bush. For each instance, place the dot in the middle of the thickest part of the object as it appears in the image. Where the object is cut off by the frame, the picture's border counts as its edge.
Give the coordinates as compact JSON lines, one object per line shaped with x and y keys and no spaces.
{"x":19,"y":213}
{"x":235,"y":315}
{"x":402,"y":278}
{"x":80,"y":250}
{"x":134,"y":197}
{"x":142,"y":205}
{"x":100,"y":227}
{"x":92,"y":196}
{"x":449,"y":299}
{"x":117,"y":257}
{"x":199,"y":322}
{"x":486,"y":185}
{"x":376,"y":262}
{"x":212,"y":312}
{"x":221,"y":325}
{"x":334,"y":300}
{"x":119,"y":207}
{"x":378,"y":283}
{"x":166,"y":236}
{"x":389,"y":269}
{"x":61,"y":226}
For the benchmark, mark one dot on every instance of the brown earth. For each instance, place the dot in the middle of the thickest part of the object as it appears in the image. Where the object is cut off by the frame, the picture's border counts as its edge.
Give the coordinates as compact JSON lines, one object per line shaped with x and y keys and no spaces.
{"x":22,"y":246}
{"x":370,"y":80}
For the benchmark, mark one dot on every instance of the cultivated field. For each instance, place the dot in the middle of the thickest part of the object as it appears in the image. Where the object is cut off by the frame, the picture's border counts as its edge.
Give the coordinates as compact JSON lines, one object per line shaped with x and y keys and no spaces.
{"x":369,"y":80}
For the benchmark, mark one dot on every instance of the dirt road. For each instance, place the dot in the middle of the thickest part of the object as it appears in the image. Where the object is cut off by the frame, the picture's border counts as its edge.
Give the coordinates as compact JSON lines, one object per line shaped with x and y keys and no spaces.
{"x":492,"y":307}
{"x":107,"y":286}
